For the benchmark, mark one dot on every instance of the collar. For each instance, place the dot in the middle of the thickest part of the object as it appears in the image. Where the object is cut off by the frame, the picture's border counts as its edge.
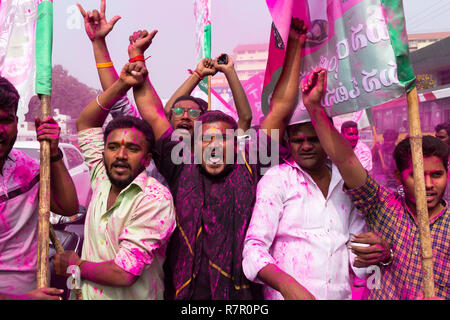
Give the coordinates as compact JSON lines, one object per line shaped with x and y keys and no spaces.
{"x":335,"y":175}
{"x":140,"y":181}
{"x":291,"y":162}
{"x":414,"y":217}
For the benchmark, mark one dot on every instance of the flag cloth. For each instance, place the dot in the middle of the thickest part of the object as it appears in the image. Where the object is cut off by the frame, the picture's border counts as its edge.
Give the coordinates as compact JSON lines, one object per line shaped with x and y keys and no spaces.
{"x":202,"y":11}
{"x":44,"y":42}
{"x":22,"y":54}
{"x":362,"y":43}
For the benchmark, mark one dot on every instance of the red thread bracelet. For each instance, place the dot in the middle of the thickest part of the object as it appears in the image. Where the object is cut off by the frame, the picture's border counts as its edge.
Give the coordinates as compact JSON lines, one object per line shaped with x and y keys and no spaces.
{"x":196,"y":73}
{"x":139,"y":57}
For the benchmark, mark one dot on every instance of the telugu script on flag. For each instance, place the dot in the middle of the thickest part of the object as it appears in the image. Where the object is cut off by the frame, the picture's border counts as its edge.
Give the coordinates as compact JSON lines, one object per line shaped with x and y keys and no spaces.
{"x":354,"y":40}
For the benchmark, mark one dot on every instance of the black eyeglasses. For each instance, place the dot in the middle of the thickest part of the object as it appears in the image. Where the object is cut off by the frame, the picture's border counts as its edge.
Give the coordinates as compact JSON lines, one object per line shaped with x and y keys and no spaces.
{"x":192,"y":113}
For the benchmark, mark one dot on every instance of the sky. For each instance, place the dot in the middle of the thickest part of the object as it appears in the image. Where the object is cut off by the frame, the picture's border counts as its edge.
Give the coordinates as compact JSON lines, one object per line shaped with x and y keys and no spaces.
{"x":234,"y":22}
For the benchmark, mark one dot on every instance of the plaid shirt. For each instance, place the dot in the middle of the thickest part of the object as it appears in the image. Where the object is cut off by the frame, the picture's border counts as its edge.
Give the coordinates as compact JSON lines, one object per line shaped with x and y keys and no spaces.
{"x":386,"y":213}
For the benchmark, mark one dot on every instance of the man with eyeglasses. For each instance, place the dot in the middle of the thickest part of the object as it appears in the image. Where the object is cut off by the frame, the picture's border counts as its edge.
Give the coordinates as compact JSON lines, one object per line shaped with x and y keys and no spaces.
{"x":185,"y":111}
{"x":209,"y":67}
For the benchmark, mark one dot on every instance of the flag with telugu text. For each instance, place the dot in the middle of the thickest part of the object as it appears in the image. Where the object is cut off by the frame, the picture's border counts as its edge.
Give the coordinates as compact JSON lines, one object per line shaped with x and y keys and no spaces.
{"x":362,"y":43}
{"x":26,"y":33}
{"x":202,"y":12}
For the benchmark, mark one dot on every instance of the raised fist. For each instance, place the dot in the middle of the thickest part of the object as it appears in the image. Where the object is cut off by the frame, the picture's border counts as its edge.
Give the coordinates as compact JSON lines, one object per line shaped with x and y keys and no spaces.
{"x":133,"y":74}
{"x":140,"y":41}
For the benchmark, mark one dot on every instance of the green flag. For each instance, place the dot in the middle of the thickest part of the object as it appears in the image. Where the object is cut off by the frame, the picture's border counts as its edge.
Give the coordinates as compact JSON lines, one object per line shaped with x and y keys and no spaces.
{"x":44,"y":42}
{"x":202,"y":9}
{"x":393,"y":11}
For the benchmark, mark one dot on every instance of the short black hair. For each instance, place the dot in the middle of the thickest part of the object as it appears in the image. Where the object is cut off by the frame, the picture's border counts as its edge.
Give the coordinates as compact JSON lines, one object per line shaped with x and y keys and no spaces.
{"x":431,"y":146}
{"x":390,"y":134}
{"x":9,"y":97}
{"x":124,"y":122}
{"x":443,"y":126}
{"x":215,"y":116}
{"x":348,"y":124}
{"x":202,"y":104}
{"x":295,"y":126}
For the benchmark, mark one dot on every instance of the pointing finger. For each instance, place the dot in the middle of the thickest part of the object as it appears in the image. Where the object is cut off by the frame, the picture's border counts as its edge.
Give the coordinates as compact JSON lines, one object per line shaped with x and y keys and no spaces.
{"x":83,"y":13}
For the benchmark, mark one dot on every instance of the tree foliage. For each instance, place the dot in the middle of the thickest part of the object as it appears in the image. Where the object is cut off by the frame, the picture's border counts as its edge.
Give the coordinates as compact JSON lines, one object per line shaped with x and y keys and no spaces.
{"x":69,"y":95}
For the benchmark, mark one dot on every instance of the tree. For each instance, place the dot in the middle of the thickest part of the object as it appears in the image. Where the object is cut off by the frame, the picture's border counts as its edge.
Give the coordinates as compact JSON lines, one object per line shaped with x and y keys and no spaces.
{"x":69,"y":95}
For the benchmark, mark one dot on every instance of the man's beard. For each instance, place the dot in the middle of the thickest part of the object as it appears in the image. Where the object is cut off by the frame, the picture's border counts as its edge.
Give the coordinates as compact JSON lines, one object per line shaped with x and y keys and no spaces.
{"x":122,"y":184}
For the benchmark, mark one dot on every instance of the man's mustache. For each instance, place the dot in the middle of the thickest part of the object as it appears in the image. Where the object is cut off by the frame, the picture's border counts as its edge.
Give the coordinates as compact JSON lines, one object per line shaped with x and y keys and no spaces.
{"x":121,"y":164}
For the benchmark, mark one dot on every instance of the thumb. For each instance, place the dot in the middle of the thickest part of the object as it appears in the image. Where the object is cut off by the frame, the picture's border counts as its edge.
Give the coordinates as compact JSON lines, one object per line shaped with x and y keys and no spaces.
{"x":114,"y":20}
{"x":152,"y":34}
{"x":322,"y":80}
{"x":53,"y":291}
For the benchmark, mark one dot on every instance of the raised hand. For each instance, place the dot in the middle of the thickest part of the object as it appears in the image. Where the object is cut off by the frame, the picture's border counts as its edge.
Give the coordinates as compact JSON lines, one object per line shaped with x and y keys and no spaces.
{"x":97,"y":28}
{"x":224,"y":67}
{"x":313,"y":86}
{"x":206,"y":67}
{"x":140,"y":41}
{"x":298,"y":30}
{"x":133,"y":74}
{"x":48,"y":129}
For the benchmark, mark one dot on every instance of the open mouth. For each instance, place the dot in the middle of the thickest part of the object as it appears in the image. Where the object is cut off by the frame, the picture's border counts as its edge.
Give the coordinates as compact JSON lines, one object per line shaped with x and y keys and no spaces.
{"x":184,"y":125}
{"x":214,"y":159}
{"x":430,"y":196}
{"x":121,"y":167}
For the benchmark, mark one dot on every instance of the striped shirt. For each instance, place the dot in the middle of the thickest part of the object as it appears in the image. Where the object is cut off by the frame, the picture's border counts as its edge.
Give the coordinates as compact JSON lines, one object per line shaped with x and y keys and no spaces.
{"x":19,"y":195}
{"x":386,"y":213}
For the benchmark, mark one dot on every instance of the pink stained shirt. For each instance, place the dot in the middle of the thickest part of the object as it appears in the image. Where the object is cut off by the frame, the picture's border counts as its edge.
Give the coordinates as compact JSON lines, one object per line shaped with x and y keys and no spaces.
{"x":133,"y":233}
{"x":19,"y":204}
{"x":304,"y":234}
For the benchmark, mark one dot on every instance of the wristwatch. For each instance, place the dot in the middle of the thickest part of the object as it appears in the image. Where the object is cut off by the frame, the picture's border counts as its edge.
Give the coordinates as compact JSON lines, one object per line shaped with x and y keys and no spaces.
{"x":390,"y":259}
{"x":58,"y":157}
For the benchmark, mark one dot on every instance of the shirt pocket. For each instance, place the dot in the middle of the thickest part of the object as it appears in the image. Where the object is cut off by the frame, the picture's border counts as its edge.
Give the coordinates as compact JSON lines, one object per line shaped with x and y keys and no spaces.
{"x":441,"y":270}
{"x":304,"y":213}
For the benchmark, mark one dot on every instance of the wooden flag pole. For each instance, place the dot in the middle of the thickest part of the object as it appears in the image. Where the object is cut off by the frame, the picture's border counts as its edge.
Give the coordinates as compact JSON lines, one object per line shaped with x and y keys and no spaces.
{"x":374,"y":131}
{"x":43,"y":278}
{"x":420,"y":194}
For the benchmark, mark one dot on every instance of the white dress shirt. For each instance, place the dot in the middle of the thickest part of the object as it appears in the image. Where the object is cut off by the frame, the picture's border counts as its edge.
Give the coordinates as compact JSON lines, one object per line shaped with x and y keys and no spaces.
{"x":294,"y":227}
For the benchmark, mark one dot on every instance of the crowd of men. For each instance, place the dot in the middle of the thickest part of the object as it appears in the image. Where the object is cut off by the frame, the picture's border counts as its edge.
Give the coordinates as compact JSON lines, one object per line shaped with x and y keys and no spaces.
{"x":183,"y":209}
